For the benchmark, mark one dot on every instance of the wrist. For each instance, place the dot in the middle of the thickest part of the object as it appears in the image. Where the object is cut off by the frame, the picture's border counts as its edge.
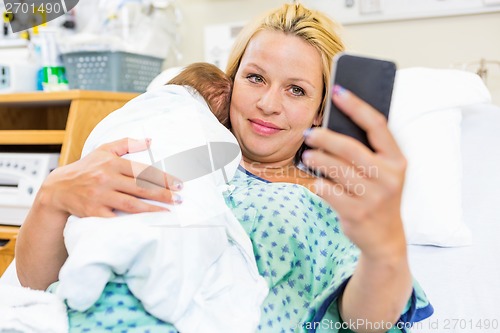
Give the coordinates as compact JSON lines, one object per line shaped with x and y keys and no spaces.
{"x":46,"y":205}
{"x":390,"y":247}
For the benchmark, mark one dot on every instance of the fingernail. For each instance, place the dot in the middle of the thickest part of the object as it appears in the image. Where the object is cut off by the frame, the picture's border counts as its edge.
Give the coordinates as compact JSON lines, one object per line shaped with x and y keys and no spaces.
{"x":307,"y":132}
{"x":176,"y":198}
{"x":306,"y":154}
{"x":177,"y":184}
{"x":339,"y":90}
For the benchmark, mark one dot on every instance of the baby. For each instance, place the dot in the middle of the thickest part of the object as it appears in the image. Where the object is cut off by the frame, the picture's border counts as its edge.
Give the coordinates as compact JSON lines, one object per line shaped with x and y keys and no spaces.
{"x":192,"y":266}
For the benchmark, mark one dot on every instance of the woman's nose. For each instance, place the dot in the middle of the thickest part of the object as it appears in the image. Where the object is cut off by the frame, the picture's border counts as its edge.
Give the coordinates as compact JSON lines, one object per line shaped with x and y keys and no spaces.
{"x":270,"y":101}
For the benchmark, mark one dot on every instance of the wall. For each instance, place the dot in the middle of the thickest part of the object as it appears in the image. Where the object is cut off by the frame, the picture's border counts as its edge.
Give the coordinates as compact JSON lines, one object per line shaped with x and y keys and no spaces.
{"x":198,"y":13}
{"x":447,"y":42}
{"x":434,"y":42}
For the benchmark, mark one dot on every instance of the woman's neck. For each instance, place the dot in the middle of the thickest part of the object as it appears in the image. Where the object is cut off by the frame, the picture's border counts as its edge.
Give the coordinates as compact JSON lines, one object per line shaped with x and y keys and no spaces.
{"x":283,"y":171}
{"x":271,"y":167}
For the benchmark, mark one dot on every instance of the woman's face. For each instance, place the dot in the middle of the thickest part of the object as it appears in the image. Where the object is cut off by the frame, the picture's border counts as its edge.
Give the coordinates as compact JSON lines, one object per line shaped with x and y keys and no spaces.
{"x":276,"y":95}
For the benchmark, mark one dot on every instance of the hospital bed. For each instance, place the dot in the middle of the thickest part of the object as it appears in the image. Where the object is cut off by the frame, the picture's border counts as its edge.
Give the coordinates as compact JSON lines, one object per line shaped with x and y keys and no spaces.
{"x":454,"y":226}
{"x":463,"y":283}
{"x":450,"y":133}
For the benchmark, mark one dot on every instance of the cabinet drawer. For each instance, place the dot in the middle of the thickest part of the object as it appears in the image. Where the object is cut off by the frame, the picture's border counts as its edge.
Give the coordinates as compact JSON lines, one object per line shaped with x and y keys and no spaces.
{"x":8,"y":236}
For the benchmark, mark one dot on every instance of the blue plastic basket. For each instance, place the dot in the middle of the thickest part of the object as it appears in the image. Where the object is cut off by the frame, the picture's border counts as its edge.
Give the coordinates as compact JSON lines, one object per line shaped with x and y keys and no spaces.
{"x":110,"y":70}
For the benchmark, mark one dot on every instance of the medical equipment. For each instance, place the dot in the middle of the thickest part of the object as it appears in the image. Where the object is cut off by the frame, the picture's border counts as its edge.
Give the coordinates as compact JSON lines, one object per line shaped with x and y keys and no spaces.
{"x":17,"y":76}
{"x":17,"y":70}
{"x":21,"y":175}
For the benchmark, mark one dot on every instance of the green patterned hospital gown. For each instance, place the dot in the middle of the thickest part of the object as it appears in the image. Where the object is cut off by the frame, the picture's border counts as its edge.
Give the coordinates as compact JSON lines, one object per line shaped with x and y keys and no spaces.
{"x":300,"y":251}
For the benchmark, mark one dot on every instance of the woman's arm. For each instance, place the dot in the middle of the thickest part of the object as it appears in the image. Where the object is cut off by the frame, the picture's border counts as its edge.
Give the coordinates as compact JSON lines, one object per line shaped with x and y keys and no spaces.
{"x":93,"y":186}
{"x":365,"y":188}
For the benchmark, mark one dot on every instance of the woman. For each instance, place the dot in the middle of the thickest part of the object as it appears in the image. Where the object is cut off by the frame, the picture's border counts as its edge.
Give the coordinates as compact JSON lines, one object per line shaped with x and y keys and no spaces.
{"x":280,"y":66}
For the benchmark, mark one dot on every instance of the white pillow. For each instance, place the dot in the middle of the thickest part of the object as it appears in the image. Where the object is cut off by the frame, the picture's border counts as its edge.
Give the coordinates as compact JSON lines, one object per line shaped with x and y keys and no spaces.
{"x":425,"y":119}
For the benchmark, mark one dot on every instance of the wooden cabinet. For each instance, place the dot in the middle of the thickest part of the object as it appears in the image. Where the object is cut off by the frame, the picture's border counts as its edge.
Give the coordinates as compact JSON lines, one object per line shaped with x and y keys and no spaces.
{"x":50,"y":121}
{"x":8,"y":237}
{"x":55,"y":118}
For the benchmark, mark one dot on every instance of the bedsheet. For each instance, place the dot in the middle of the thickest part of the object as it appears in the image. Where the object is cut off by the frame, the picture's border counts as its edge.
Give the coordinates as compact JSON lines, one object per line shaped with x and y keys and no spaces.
{"x":463,"y":284}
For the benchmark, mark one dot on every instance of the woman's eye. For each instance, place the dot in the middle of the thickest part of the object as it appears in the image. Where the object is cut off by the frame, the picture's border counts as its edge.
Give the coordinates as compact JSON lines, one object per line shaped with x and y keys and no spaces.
{"x":297,"y":91}
{"x":255,"y":78}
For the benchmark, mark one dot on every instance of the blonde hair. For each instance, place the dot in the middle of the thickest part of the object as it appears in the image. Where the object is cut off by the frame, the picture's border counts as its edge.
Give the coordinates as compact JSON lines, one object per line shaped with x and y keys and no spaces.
{"x":312,"y":26}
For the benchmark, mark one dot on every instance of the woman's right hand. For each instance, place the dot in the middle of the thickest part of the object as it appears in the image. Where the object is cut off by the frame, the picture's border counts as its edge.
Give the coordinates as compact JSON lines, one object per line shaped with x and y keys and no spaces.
{"x":365,"y":188}
{"x":102,"y":182}
{"x":96,"y":185}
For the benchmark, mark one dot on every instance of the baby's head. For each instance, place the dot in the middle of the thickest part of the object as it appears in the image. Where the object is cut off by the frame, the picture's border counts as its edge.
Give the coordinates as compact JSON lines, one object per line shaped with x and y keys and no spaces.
{"x":212,"y":84}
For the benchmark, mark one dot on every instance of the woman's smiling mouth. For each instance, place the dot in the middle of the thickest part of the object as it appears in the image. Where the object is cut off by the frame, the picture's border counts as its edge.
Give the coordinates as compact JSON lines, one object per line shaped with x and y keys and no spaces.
{"x":263,"y":127}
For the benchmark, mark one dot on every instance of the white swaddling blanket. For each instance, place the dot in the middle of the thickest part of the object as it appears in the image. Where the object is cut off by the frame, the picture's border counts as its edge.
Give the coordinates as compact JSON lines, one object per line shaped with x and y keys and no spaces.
{"x":193,"y":266}
{"x":26,"y":310}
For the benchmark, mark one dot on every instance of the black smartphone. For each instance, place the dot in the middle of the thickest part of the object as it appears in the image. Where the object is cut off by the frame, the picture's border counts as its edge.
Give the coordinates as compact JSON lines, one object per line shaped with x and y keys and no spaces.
{"x":370,"y":79}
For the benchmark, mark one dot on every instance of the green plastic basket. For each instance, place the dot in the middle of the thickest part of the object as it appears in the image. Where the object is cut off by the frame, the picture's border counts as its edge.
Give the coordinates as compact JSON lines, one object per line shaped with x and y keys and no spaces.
{"x":110,"y":70}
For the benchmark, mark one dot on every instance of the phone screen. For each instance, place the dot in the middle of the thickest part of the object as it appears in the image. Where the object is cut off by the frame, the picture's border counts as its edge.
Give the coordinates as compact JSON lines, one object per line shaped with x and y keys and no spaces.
{"x":370,"y":79}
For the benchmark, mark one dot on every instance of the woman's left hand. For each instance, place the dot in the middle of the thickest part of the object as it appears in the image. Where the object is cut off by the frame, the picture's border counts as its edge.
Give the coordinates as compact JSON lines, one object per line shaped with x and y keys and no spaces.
{"x":363,"y":186}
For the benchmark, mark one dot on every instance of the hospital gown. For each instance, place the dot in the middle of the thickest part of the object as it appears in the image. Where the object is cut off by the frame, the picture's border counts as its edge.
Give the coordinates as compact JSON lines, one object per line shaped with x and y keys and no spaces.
{"x":300,"y":251}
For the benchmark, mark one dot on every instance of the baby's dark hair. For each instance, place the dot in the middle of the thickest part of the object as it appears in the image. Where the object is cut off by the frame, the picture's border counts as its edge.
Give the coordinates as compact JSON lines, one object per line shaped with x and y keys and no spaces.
{"x":212,"y":84}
